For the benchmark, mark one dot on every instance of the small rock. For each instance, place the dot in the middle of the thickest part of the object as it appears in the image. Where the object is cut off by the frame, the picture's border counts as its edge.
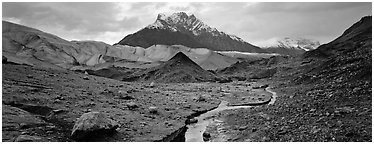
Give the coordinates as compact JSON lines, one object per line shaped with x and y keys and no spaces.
{"x":283,"y":130}
{"x":169,"y":108}
{"x":153,"y":110}
{"x":24,"y":126}
{"x":187,"y":106}
{"x":132,"y":105}
{"x":28,"y":138}
{"x":5,"y":60}
{"x":192,"y":120}
{"x":88,"y":110}
{"x":315,"y":129}
{"x":242,"y":128}
{"x":201,"y":98}
{"x":254,"y":129}
{"x":60,"y":98}
{"x":124,"y":95}
{"x":206,"y":136}
{"x":29,"y":76}
{"x":132,"y":91}
{"x":356,"y":89}
{"x":152,"y":85}
{"x":85,"y":78}
{"x":92,"y":123}
{"x":344,"y":110}
{"x":256,"y":87}
{"x":121,"y":92}
{"x":51,"y":127}
{"x":57,"y":101}
{"x":264,"y":86}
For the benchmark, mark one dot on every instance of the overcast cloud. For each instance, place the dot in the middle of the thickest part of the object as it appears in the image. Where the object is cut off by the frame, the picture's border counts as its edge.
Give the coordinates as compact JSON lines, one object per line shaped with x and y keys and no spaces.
{"x":257,"y":23}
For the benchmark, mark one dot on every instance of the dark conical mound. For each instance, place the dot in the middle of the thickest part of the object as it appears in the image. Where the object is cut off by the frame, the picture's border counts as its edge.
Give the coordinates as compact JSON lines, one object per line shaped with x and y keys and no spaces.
{"x":180,"y":57}
{"x":179,"y":69}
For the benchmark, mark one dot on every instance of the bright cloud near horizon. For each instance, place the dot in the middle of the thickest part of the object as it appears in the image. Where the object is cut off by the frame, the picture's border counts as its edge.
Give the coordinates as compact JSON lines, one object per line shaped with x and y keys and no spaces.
{"x":256,"y":23}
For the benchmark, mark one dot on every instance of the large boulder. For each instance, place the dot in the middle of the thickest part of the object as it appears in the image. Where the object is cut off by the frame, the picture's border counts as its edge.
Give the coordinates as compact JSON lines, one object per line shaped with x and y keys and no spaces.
{"x":91,"y":125}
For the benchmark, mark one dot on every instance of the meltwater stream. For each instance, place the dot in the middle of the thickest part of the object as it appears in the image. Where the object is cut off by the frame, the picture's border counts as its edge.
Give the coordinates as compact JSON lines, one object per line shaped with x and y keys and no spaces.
{"x":195,"y":131}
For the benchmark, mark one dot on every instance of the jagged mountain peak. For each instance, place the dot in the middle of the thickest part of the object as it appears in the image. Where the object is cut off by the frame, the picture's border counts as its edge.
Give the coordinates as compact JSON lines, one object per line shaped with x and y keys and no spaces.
{"x":175,"y":17}
{"x":182,"y":29}
{"x":180,"y":21}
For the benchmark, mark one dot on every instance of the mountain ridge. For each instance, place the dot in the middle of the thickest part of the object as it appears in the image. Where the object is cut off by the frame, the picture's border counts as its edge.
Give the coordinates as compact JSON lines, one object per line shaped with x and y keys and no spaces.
{"x":181,"y":29}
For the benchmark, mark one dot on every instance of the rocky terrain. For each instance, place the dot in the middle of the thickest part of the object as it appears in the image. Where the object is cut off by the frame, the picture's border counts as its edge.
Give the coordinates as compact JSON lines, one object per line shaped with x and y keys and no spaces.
{"x":182,"y":29}
{"x":44,"y":104}
{"x":61,"y":91}
{"x":324,"y":96}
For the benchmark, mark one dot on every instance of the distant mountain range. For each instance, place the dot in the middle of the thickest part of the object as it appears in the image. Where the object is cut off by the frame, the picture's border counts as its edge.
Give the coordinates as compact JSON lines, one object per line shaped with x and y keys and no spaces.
{"x":179,"y":32}
{"x":182,"y":29}
{"x":24,"y":45}
{"x":291,"y":46}
{"x":295,"y":43}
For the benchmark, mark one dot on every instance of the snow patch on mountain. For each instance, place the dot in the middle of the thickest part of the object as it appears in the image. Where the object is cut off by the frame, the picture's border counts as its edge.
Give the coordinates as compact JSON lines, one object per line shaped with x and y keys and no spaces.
{"x":236,"y":38}
{"x":246,"y":53}
{"x":291,"y":43}
{"x":182,"y":22}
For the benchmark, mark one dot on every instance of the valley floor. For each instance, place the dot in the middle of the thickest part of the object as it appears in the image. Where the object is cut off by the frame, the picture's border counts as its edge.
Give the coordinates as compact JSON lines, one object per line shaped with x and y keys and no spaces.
{"x":44,"y":103}
{"x":331,"y":111}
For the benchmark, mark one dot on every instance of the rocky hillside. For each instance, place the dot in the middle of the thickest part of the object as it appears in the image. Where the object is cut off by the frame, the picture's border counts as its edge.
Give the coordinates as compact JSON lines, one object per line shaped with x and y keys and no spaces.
{"x":324,"y":96}
{"x":31,"y":46}
{"x":357,"y":37}
{"x":182,"y":29}
{"x":347,"y":58}
{"x":24,"y":45}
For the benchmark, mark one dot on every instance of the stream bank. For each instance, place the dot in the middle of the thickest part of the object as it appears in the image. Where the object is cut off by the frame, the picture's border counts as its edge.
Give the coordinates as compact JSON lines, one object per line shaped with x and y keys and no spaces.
{"x":195,"y":131}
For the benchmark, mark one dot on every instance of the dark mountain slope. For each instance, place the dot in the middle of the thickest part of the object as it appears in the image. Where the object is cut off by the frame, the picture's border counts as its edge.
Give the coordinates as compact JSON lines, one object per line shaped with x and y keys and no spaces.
{"x":148,"y":37}
{"x":347,"y":58}
{"x":357,"y":36}
{"x":326,"y":96}
{"x":181,"y":29}
{"x":178,"y":69}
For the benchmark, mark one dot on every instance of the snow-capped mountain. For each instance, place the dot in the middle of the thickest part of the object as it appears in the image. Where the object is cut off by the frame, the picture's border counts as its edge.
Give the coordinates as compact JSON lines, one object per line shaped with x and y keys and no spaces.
{"x":182,"y":29}
{"x":290,"y":46}
{"x":296,"y":43}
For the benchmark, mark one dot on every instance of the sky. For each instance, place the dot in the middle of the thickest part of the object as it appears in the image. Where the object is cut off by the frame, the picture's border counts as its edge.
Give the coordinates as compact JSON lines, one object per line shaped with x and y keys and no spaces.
{"x":256,"y":23}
